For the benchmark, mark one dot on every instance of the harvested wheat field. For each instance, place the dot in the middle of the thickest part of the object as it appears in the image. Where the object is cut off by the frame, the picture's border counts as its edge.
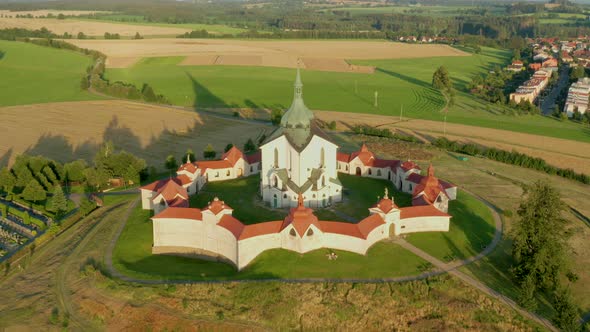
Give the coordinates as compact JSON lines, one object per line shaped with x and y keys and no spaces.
{"x":54,"y":12}
{"x":313,"y":55}
{"x":558,"y":152}
{"x":90,"y":28}
{"x":72,"y":130}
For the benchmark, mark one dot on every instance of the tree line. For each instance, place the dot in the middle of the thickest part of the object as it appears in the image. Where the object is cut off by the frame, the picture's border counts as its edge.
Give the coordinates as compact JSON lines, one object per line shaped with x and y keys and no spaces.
{"x":35,"y":178}
{"x":510,"y":157}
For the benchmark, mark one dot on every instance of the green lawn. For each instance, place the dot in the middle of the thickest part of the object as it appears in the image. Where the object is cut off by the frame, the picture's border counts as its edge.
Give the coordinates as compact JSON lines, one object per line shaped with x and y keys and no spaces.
{"x":472,"y":228}
{"x":132,"y":256}
{"x":35,"y":74}
{"x":400,"y":83}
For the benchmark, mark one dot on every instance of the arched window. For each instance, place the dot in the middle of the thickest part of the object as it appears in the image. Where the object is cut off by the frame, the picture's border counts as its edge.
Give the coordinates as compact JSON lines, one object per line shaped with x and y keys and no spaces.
{"x":322,"y":157}
{"x":378,"y":172}
{"x":347,"y":167}
{"x":285,"y":196}
{"x":370,"y":171}
{"x":292,"y":232}
{"x":275,"y":181}
{"x":310,"y":232}
{"x":216,"y":174}
{"x":251,"y":169}
{"x":323,"y":181}
{"x":228,"y":172}
{"x":276,"y":158}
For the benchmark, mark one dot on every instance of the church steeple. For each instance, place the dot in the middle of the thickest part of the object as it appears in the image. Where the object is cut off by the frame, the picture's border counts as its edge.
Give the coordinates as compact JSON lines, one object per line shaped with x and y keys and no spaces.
{"x":298,"y":115}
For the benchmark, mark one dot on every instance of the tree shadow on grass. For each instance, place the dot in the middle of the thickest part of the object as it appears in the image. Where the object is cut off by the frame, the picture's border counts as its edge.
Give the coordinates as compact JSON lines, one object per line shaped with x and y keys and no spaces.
{"x":2,"y":55}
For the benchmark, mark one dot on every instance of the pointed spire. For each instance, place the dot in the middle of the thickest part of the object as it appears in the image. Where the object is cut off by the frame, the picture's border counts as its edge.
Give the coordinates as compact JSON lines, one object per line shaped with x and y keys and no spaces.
{"x":364,"y":148}
{"x":430,"y":171}
{"x":188,"y":158}
{"x":300,"y":200}
{"x":386,"y":193}
{"x":298,"y":84}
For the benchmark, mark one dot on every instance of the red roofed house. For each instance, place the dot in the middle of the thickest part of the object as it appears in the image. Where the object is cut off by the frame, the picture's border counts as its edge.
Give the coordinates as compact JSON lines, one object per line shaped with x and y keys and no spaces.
{"x":192,"y":176}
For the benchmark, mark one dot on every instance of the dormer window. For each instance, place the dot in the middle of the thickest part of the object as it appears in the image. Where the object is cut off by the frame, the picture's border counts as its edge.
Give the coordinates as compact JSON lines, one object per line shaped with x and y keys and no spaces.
{"x":292,"y":232}
{"x":310,"y":232}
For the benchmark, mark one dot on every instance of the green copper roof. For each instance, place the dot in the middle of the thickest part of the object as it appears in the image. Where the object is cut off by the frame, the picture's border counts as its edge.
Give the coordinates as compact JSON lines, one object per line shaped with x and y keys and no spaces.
{"x":298,"y":115}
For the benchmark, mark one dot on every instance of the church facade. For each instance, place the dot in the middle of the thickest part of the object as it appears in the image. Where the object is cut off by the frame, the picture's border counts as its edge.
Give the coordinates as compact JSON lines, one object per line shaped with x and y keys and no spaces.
{"x":298,"y":158}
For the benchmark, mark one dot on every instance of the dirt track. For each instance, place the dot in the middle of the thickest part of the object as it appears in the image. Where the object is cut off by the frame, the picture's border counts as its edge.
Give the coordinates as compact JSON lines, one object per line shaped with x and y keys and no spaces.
{"x":319,"y":55}
{"x":559,"y":152}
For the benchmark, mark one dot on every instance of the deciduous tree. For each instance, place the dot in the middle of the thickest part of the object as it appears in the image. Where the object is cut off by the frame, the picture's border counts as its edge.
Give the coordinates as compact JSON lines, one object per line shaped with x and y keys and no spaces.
{"x":34,"y":192}
{"x":59,"y":202}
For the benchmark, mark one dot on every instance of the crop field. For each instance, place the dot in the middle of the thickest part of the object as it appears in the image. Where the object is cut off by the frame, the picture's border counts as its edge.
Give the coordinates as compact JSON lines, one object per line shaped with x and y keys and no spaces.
{"x":68,"y":131}
{"x":402,"y":85}
{"x":141,"y":21}
{"x":36,"y":74}
{"x":556,"y":151}
{"x":90,"y":27}
{"x":313,"y":55}
{"x":45,"y":12}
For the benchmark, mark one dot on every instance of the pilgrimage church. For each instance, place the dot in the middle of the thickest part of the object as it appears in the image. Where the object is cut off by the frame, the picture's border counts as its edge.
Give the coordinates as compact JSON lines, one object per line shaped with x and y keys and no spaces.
{"x":298,"y":167}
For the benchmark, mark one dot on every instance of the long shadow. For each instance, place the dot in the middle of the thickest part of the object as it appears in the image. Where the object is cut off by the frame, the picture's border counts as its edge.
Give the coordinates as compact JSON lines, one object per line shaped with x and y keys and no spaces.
{"x":410,"y":79}
{"x":6,"y":158}
{"x":2,"y":55}
{"x":203,"y":96}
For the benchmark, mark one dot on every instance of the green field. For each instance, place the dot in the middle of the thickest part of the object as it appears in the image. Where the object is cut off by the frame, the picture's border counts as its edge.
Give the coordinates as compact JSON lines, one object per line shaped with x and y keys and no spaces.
{"x":472,"y":228}
{"x":35,"y":74}
{"x":399,"y":83}
{"x":132,"y":256}
{"x":449,"y":10}
{"x":140,"y":20}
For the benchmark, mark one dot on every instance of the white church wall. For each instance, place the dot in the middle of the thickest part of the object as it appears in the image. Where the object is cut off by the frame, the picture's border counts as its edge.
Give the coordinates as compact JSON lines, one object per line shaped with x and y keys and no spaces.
{"x":146,"y":199}
{"x":345,"y":242}
{"x":250,"y":248}
{"x":422,"y":224}
{"x":174,"y":232}
{"x":220,"y":174}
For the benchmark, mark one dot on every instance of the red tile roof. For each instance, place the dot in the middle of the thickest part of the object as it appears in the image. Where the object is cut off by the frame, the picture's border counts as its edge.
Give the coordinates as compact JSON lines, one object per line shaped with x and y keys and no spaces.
{"x":217,"y":206}
{"x":172,"y":190}
{"x":342,"y":157}
{"x":254,"y":157}
{"x":364,"y":155}
{"x":184,"y":179}
{"x":385,"y":204}
{"x":301,"y":218}
{"x":213,"y":164}
{"x":382,"y":163}
{"x":233,"y":155}
{"x":415,"y":178}
{"x":429,"y":187}
{"x":367,"y":225}
{"x":269,"y":227}
{"x":157,"y":185}
{"x":232,"y":224}
{"x":180,"y":213}
{"x":421,"y":211}
{"x":189,"y":167}
{"x":343,"y":228}
{"x":408,"y":165}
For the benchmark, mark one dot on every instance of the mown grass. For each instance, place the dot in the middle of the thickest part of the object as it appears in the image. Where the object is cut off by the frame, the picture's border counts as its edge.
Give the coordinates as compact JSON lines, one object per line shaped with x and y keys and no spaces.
{"x":471,"y":230}
{"x":132,"y":256}
{"x":400,"y":83}
{"x":35,"y":74}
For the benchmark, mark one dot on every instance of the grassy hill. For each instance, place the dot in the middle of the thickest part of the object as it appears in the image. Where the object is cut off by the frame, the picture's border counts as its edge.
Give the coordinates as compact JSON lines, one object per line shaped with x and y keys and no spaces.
{"x":399,"y":83}
{"x":35,"y":74}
